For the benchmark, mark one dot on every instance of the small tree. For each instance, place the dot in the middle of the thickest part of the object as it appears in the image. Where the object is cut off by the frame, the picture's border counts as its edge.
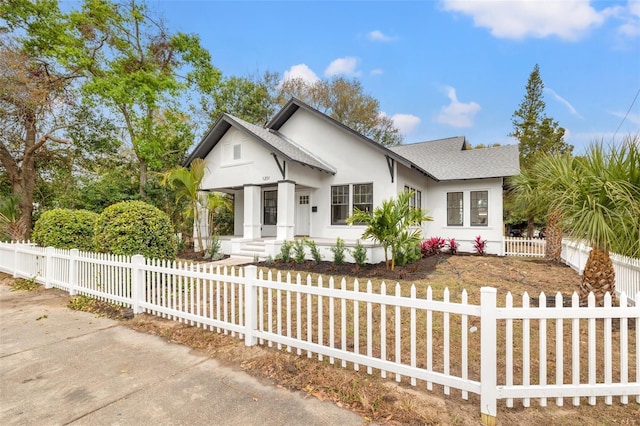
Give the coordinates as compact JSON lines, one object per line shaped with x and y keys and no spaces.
{"x":394,"y":224}
{"x":186,"y":182}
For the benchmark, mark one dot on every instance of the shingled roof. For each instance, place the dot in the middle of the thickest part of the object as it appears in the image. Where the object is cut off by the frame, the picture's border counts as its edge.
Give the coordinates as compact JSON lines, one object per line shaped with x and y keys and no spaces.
{"x":449,"y":159}
{"x":274,"y":141}
{"x":442,"y":159}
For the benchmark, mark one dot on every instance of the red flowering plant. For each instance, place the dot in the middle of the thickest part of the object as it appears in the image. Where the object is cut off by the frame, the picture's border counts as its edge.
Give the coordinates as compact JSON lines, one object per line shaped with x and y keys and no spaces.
{"x":432,"y":246}
{"x":453,"y":245}
{"x":480,"y":246}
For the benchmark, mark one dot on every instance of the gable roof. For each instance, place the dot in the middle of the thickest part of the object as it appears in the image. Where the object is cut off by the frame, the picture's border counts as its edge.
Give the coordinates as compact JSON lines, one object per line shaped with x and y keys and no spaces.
{"x":449,"y":159}
{"x":442,"y":159}
{"x":295,"y":104}
{"x":275,"y":142}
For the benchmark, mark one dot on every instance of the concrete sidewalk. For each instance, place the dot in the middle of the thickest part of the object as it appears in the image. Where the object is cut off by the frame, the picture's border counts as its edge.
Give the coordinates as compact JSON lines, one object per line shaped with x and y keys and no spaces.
{"x":59,"y":366}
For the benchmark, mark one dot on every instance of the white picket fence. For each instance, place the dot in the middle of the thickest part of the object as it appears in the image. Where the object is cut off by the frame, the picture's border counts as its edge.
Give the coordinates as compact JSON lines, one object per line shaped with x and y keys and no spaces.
{"x":402,"y":332}
{"x":528,"y":247}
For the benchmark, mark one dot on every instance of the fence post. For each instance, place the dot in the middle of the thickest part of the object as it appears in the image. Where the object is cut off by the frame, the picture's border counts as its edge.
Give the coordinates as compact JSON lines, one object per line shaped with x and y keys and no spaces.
{"x":137,"y":283}
{"x":488,"y":349}
{"x":251,"y":311}
{"x":15,"y":260}
{"x":73,"y":271}
{"x":48,"y":266}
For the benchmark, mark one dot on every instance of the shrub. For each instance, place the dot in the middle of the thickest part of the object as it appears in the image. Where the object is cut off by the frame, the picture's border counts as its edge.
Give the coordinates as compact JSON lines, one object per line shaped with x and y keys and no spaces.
{"x":285,"y":251}
{"x":315,"y":252}
{"x":338,"y":252}
{"x":480,"y":245}
{"x":408,"y":253}
{"x":135,"y":227}
{"x":359,"y":254}
{"x":214,"y":249}
{"x":66,"y":229}
{"x":298,"y":251}
{"x":432,"y":246}
{"x":453,"y":246}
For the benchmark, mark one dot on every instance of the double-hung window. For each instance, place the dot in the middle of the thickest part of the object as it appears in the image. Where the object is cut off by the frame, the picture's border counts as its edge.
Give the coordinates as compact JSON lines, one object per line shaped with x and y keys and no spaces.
{"x":479,"y":208}
{"x":339,"y":204}
{"x":455,"y":210}
{"x":416,"y":197}
{"x":363,"y":197}
{"x":347,"y":198}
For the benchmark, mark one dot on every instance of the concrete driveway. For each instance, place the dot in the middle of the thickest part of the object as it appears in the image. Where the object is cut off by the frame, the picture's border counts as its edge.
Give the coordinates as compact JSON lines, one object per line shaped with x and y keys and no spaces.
{"x":59,"y":367}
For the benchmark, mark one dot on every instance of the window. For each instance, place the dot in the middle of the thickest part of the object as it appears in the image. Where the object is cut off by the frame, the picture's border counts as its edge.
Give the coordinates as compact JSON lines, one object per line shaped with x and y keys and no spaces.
{"x":304,"y":199}
{"x":454,"y":209}
{"x":416,"y":197}
{"x":479,"y":208}
{"x":270,"y":208}
{"x":237,"y":152}
{"x":363,"y":197}
{"x":339,"y":204}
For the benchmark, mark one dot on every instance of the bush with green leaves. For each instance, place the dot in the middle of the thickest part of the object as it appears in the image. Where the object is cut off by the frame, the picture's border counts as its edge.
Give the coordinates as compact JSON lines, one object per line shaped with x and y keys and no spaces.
{"x":315,"y":251}
{"x":338,"y":252}
{"x":65,"y":229}
{"x":214,"y":248}
{"x":359,"y":254}
{"x":285,"y":251}
{"x":298,"y":251}
{"x":408,"y":253}
{"x":135,"y":227}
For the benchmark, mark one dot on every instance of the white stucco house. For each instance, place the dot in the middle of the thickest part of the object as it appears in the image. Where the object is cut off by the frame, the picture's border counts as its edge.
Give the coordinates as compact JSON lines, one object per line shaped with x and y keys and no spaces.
{"x":303,"y":173}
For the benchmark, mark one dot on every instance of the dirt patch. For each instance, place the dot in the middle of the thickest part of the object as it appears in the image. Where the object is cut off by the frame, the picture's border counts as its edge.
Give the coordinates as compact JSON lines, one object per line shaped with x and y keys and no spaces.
{"x":383,"y":400}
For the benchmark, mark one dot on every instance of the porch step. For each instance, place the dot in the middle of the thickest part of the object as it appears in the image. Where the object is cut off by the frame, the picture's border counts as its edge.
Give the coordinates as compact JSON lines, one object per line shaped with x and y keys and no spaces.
{"x":251,"y":250}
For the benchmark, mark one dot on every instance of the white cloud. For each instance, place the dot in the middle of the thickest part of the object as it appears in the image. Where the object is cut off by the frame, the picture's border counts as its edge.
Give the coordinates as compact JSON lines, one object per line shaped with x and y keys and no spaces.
{"x":406,"y":123}
{"x":631,"y":19}
{"x":457,"y":114}
{"x":563,"y":101}
{"x":301,"y":71}
{"x":345,"y":66}
{"x":566,"y":19}
{"x":377,"y":71}
{"x":629,"y":118}
{"x":377,"y":35}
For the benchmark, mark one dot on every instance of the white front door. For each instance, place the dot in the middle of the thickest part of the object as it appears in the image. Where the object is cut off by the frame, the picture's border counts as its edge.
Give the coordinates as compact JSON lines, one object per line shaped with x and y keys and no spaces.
{"x":303,"y":214}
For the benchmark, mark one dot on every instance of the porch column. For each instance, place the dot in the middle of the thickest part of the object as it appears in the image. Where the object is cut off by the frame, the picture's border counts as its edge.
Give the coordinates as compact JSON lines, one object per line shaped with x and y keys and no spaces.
{"x":286,"y":210}
{"x":251,"y":212}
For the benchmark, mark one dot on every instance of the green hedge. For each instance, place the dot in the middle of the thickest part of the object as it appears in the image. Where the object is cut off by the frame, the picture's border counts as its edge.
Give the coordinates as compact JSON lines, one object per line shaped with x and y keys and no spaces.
{"x":135,"y":227}
{"x":65,"y":229}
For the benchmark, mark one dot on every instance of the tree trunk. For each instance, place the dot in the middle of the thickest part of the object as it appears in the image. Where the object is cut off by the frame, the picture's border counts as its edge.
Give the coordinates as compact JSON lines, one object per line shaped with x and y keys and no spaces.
{"x":598,"y":277}
{"x":143,"y":178}
{"x":530,"y":226}
{"x":553,"y":249}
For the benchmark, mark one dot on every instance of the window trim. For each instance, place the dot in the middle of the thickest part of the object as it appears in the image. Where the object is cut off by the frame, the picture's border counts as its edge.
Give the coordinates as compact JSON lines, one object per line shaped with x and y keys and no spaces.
{"x":478,"y":210}
{"x":340,"y":221}
{"x":460,"y":209}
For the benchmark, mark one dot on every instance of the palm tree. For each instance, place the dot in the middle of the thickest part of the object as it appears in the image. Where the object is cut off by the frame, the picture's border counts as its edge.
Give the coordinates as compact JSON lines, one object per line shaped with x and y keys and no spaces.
{"x":535,"y":188}
{"x":218,"y":204}
{"x":11,"y":227}
{"x":187,"y":182}
{"x":597,"y":198}
{"x":394,"y":224}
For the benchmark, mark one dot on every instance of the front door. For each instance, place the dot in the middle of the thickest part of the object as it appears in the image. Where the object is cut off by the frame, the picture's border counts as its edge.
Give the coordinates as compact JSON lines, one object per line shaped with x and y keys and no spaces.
{"x":269,"y":213}
{"x":303,"y":216}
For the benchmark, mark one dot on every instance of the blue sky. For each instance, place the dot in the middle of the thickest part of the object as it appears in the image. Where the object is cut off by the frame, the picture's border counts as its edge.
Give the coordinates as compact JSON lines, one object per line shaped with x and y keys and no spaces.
{"x":442,"y":68}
